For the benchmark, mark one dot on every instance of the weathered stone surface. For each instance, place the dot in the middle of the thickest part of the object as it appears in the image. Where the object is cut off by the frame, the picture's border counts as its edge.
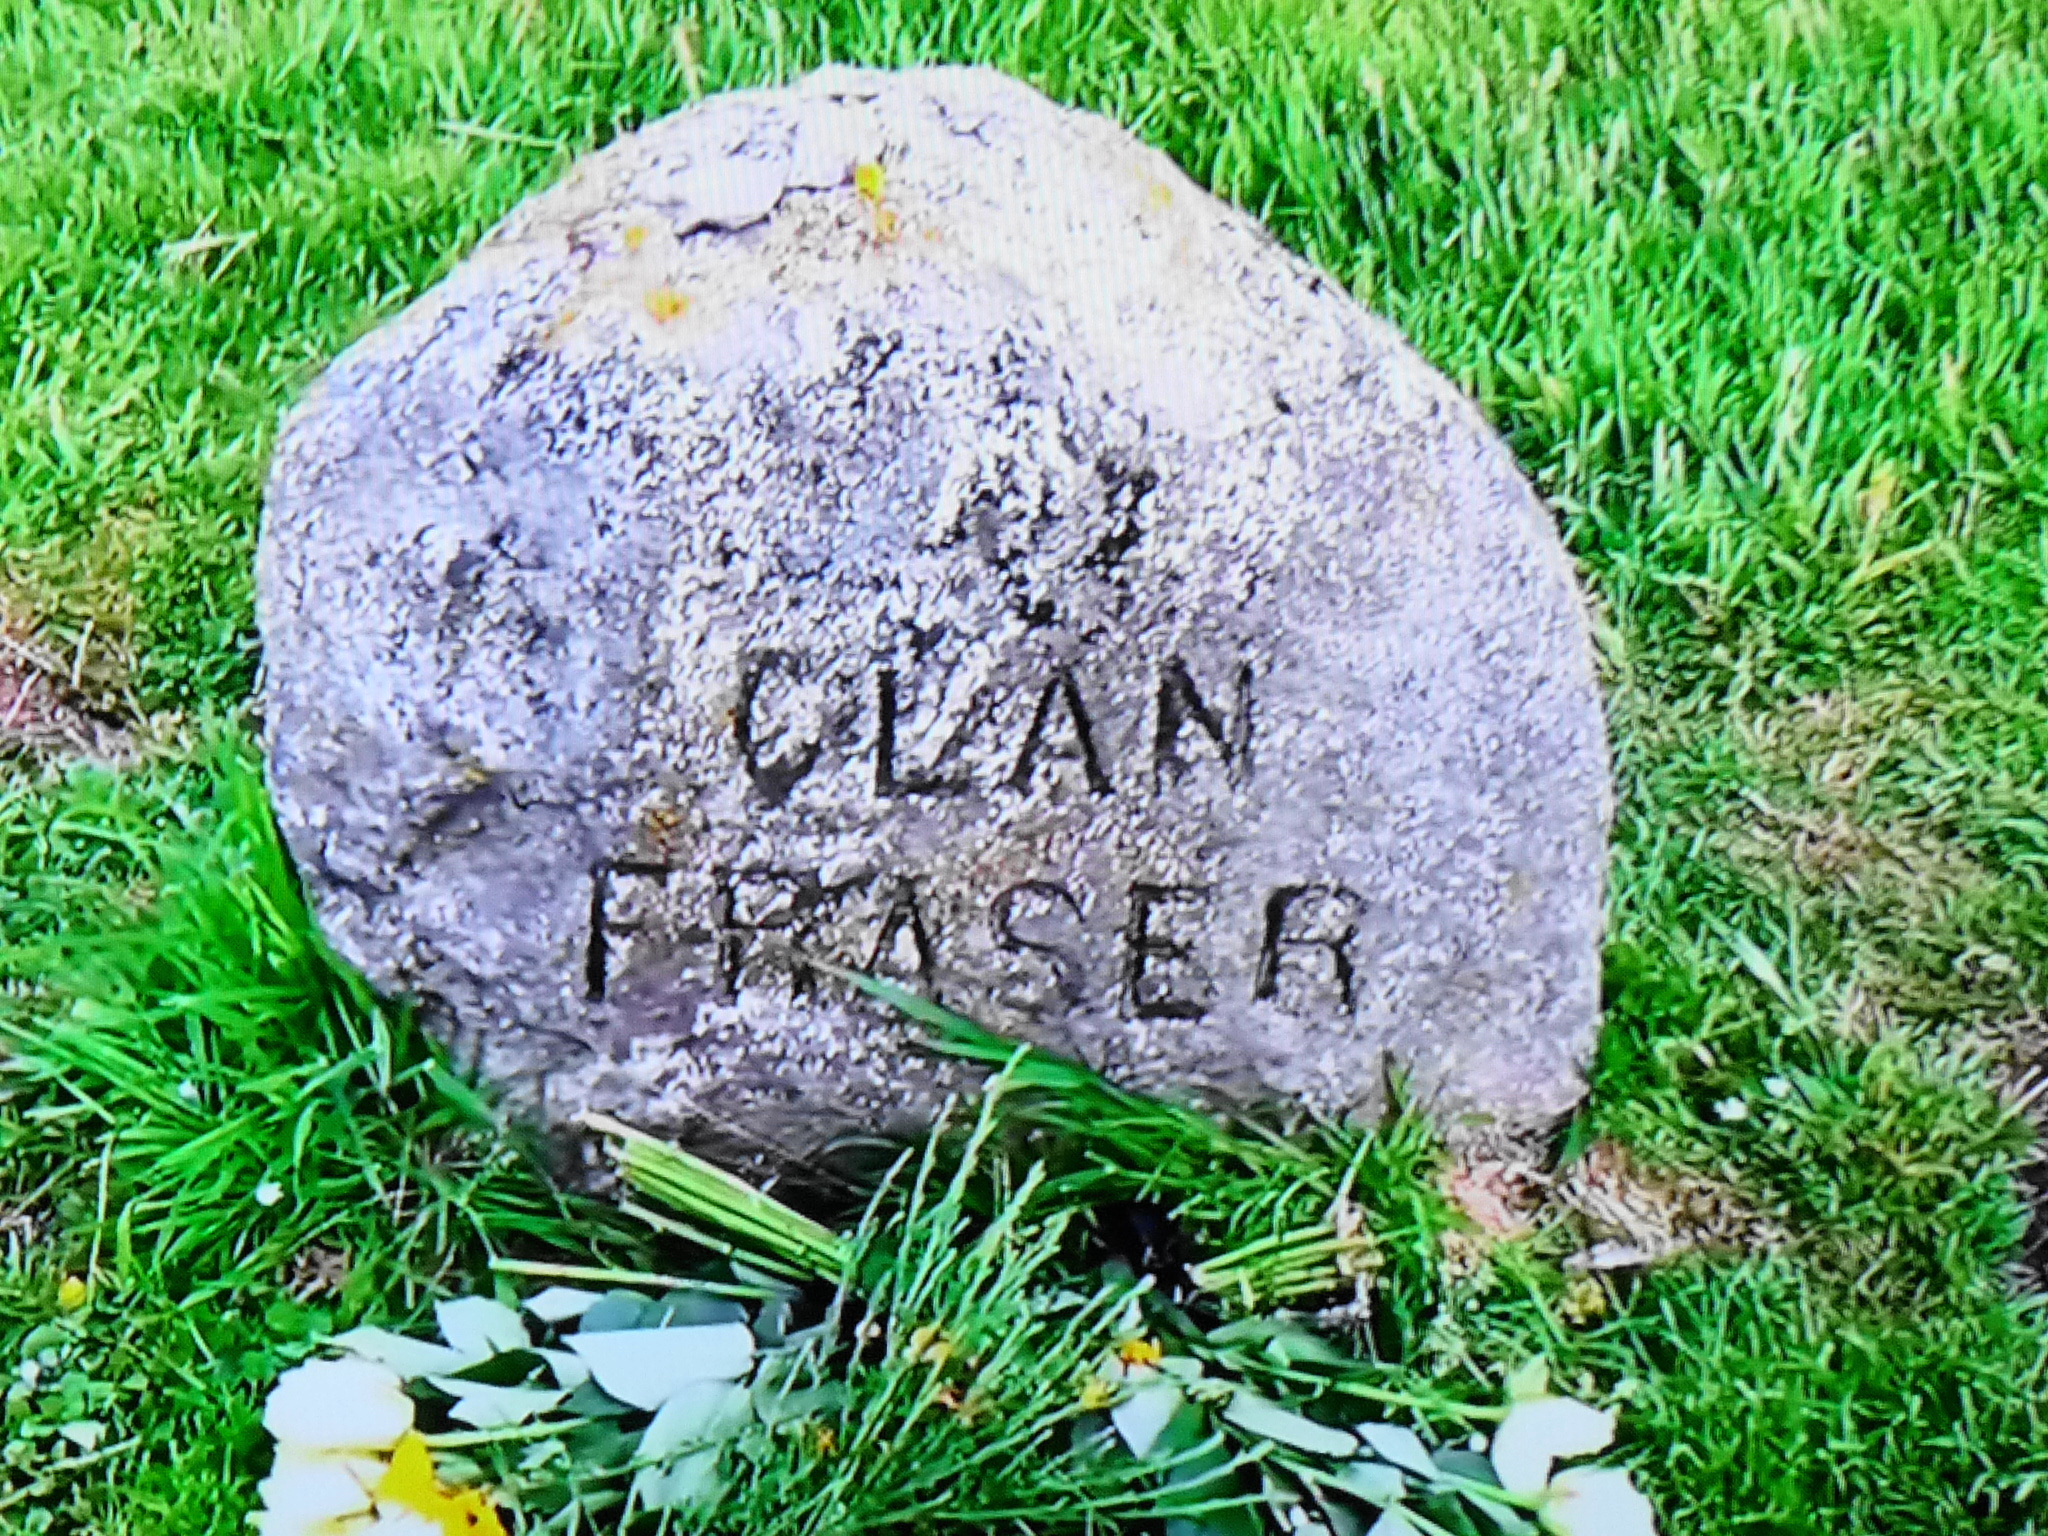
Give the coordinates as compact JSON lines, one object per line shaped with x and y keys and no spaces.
{"x":1013,"y":571}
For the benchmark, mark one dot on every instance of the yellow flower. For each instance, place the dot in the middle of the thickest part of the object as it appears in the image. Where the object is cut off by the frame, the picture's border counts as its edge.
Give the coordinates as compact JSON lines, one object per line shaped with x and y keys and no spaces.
{"x":1098,"y":1393}
{"x":72,"y":1294}
{"x":1140,"y":1352}
{"x":411,"y":1485}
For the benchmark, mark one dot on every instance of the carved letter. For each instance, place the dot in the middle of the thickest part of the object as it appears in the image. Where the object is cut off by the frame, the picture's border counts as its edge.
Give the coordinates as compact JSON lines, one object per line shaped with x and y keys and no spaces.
{"x":1143,"y":947}
{"x":903,"y":915}
{"x":1332,"y":926}
{"x":1053,"y":896}
{"x":1063,"y":688}
{"x":773,"y":780}
{"x":780,"y":902}
{"x":887,"y":785}
{"x":1180,"y":704}
{"x":597,"y":958}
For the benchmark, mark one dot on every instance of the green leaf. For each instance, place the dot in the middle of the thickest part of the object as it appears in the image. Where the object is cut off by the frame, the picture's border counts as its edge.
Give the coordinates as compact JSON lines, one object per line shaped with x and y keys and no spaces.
{"x":487,"y":1407}
{"x":647,"y":1366}
{"x":691,"y":1309}
{"x":614,"y":1310}
{"x":1401,"y":1446}
{"x":1509,"y":1522}
{"x":477,"y":1325}
{"x":1373,"y":1481}
{"x":1267,"y":1420}
{"x":699,"y":1411}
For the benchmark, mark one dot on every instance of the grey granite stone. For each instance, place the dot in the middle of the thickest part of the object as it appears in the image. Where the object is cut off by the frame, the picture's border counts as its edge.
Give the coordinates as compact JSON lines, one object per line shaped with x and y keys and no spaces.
{"x":1008,"y":569}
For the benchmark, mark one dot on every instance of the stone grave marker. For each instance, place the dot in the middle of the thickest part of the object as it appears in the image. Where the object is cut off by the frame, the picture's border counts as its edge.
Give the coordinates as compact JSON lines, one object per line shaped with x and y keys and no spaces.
{"x":897,"y":520}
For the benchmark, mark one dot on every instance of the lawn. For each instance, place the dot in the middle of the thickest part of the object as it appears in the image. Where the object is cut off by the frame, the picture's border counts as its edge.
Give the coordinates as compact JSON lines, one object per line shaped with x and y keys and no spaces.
{"x":1757,"y":293}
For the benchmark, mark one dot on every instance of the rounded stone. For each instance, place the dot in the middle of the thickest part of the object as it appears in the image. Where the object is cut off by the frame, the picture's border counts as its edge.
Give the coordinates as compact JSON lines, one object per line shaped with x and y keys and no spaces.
{"x":895,"y":521}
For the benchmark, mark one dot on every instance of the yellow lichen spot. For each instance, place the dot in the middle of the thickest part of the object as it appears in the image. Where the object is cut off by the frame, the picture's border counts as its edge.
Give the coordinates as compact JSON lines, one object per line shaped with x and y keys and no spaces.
{"x":887,"y":225}
{"x":665,"y":304}
{"x":1140,"y":1352}
{"x":1097,"y":1393}
{"x":636,"y":236}
{"x":72,"y":1294}
{"x":867,"y":180}
{"x":410,"y":1483}
{"x":1161,"y":195}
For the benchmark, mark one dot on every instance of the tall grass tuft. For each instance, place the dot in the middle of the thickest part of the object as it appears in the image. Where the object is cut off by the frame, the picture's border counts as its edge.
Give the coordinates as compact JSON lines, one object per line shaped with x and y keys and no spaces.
{"x":247,"y":1097}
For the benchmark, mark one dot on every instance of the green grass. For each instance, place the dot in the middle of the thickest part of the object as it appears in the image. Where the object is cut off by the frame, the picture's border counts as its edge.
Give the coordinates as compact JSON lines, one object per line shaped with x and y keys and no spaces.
{"x":1756,"y":292}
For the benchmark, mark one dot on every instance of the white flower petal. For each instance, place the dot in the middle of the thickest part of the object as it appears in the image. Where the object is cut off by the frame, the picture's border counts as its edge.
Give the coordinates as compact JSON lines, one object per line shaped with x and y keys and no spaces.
{"x":570,"y":1371}
{"x":1542,"y":1430}
{"x":477,"y":1326}
{"x":1597,"y":1501}
{"x":305,"y":1494}
{"x":559,"y":1303}
{"x":268,"y":1524}
{"x":365,"y":1467}
{"x":408,"y":1357}
{"x":1142,"y":1417}
{"x":397,"y":1520}
{"x":338,"y":1405}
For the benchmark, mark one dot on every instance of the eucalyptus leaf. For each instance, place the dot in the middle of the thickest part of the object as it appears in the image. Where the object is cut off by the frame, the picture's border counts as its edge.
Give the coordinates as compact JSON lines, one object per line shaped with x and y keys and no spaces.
{"x":487,"y":1407}
{"x":1508,"y":1521}
{"x":689,"y":1309}
{"x":1294,"y":1345}
{"x":1392,"y":1522}
{"x":513,"y":1368}
{"x":1402,"y":1446}
{"x":559,"y":1303}
{"x":1373,"y":1481}
{"x":700,"y":1411}
{"x":476,"y":1326}
{"x":408,"y":1358}
{"x":612,"y":1311}
{"x":1470,"y":1465}
{"x":1144,"y":1414}
{"x":647,"y":1366}
{"x":1267,"y":1420}
{"x":691,"y":1483}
